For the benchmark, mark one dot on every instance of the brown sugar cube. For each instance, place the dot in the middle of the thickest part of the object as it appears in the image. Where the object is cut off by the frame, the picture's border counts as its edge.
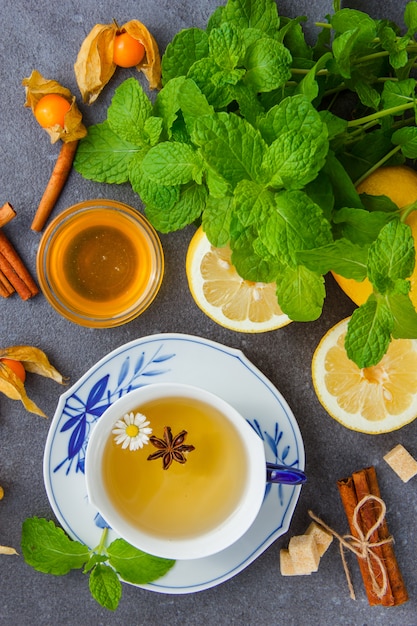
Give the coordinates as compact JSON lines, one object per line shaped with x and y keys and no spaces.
{"x":401,"y":461}
{"x":322,"y":537}
{"x":304,"y":554}
{"x":286,"y":564}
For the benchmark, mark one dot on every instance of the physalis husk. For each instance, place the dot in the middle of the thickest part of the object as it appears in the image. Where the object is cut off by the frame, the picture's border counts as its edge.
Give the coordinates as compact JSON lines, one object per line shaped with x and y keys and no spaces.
{"x":94,"y":66}
{"x":33,"y":360}
{"x":5,"y":549}
{"x":36,"y":87}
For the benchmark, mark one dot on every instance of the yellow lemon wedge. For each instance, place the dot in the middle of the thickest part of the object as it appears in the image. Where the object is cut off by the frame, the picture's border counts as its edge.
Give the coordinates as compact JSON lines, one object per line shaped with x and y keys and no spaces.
{"x":224,"y":296}
{"x":371,"y":400}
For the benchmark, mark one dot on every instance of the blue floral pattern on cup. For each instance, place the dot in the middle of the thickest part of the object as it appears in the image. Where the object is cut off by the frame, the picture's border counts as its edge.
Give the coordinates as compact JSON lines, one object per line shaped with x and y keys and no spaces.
{"x":82,"y":412}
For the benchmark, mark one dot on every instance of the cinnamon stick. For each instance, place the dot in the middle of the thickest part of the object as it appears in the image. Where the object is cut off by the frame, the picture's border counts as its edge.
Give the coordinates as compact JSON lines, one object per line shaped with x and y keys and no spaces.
{"x":15,"y":270}
{"x":352,"y":491}
{"x":6,"y":288}
{"x":397,"y":584}
{"x":7,"y":213}
{"x":55,"y":184}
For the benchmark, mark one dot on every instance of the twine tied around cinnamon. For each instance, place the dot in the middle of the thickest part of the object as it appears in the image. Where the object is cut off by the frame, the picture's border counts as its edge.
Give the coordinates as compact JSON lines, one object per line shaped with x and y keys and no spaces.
{"x":362,"y":546}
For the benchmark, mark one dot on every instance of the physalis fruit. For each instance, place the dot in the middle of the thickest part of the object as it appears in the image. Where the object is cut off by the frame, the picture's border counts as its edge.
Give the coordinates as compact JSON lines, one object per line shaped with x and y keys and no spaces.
{"x":97,"y":59}
{"x":33,"y":360}
{"x":65,"y":120}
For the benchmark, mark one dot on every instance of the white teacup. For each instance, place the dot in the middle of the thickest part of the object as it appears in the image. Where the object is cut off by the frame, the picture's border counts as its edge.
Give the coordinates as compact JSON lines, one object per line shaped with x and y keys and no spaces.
{"x":208,"y":496}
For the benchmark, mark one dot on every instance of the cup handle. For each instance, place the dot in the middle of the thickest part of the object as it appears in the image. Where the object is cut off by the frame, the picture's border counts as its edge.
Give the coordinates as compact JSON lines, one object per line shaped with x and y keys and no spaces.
{"x":284,"y":475}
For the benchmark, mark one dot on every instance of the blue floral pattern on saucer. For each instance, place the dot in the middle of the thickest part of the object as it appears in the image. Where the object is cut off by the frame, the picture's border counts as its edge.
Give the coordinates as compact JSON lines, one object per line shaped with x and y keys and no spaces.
{"x":183,"y":359}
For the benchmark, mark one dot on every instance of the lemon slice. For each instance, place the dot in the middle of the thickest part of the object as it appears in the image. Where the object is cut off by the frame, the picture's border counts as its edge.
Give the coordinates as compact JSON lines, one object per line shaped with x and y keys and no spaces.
{"x":224,"y":296}
{"x":371,"y":400}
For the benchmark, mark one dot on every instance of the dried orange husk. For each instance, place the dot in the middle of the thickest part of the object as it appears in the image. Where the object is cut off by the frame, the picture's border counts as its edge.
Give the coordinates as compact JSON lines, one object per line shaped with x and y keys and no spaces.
{"x":36,"y":87}
{"x":7,"y":550}
{"x":33,"y":360}
{"x":94,"y":65}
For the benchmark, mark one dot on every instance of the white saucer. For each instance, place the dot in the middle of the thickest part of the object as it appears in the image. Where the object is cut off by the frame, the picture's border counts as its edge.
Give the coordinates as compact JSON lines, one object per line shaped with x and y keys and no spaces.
{"x":186,"y":359}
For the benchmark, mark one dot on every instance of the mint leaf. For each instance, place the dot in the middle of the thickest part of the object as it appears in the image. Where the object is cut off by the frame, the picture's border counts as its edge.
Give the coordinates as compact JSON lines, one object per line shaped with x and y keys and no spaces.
{"x":341,"y":256}
{"x":105,"y":587}
{"x":299,"y":142}
{"x":49,"y":550}
{"x":187,"y":47}
{"x":295,"y":224}
{"x":167,"y":105}
{"x":185,"y":211}
{"x":103,"y":156}
{"x":407,"y":139}
{"x":360,"y":226}
{"x":172,"y":163}
{"x":262,"y":15}
{"x":369,"y":333}
{"x":230,"y":146}
{"x":301,"y":293}
{"x":226,"y":46}
{"x":396,"y":94}
{"x":391,"y":257}
{"x":151,"y":192}
{"x":404,"y":316}
{"x":253,"y":203}
{"x":128,"y":112}
{"x":136,"y":566}
{"x":216,"y":220}
{"x":268,"y":65}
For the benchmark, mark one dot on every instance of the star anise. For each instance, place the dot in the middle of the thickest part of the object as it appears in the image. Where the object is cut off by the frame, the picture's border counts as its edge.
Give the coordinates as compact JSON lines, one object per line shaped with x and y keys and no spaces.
{"x":170,"y":448}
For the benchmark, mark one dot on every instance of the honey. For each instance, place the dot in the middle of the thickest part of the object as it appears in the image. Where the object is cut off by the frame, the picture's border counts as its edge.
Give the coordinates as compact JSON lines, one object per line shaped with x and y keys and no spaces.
{"x":187,"y":499}
{"x":101,"y":263}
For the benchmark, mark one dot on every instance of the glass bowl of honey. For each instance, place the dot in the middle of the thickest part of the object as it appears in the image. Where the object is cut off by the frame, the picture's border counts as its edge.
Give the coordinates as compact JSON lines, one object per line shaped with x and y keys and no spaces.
{"x":100,"y":263}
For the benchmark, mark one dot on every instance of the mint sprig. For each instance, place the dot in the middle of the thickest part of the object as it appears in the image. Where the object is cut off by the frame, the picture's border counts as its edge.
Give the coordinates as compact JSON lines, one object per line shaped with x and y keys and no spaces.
{"x":251,"y":135}
{"x":48,"y":549}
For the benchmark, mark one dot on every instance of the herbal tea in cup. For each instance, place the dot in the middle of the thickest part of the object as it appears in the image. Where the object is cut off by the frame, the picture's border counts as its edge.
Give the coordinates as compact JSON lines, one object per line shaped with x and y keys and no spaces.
{"x":183,"y":480}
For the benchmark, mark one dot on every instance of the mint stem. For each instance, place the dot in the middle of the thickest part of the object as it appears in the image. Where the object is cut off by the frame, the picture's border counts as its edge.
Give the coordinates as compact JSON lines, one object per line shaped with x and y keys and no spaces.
{"x":375,"y":116}
{"x":377,"y":165}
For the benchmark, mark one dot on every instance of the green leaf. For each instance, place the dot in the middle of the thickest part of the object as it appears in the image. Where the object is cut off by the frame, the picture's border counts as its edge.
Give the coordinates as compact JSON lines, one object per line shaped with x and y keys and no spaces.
{"x":253,"y":203}
{"x":167,"y":104}
{"x":308,"y":86}
{"x":49,"y":550}
{"x":268,"y":65}
{"x":226,"y":45}
{"x":335,"y":125}
{"x":216,"y":220}
{"x":105,"y":587}
{"x":128,"y":112}
{"x":407,"y":139}
{"x":103,"y":156}
{"x":172,"y":163}
{"x":185,"y":211}
{"x":299,"y":149}
{"x":360,"y":226}
{"x":262,"y":14}
{"x":404,"y":316}
{"x":136,"y":566}
{"x":391,"y":257}
{"x":301,"y":293}
{"x":204,"y":73}
{"x":344,"y":190}
{"x":342,"y":256}
{"x":187,"y":47}
{"x":151,"y":192}
{"x":398,"y":93}
{"x":369,"y":333}
{"x":353,"y":29}
{"x":230,"y":146}
{"x":410,"y":17}
{"x":193,"y":103}
{"x":295,"y":224}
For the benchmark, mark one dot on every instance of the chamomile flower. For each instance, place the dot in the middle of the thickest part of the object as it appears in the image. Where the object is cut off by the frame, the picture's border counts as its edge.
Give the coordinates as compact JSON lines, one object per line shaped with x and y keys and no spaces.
{"x":132,"y":431}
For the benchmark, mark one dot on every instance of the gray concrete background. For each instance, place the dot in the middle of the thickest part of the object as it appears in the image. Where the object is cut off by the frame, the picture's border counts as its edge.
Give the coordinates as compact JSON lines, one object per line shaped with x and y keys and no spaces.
{"x":46,"y":36}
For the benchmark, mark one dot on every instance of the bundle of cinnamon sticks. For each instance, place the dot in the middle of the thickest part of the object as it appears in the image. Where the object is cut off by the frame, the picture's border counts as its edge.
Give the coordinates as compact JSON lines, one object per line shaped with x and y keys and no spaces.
{"x":362,"y":502}
{"x":14,"y":276}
